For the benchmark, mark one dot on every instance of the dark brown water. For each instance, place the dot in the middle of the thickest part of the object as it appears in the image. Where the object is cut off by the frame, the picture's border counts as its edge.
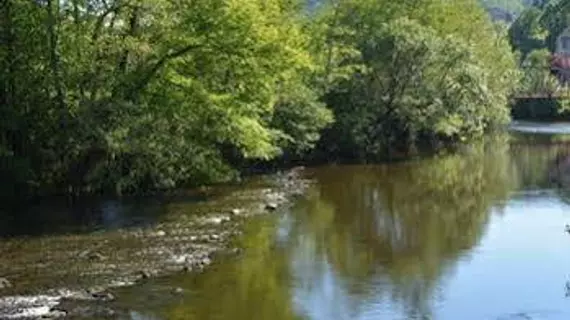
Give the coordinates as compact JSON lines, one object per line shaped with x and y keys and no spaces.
{"x":470,"y":236}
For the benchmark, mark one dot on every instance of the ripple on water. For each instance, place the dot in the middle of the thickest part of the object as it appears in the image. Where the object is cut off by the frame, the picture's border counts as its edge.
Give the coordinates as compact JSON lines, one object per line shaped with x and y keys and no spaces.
{"x":535,"y":315}
{"x":540,"y":127}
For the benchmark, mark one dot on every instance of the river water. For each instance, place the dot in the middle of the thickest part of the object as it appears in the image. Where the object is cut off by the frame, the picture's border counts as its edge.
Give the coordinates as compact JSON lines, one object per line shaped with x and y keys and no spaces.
{"x":478,"y":234}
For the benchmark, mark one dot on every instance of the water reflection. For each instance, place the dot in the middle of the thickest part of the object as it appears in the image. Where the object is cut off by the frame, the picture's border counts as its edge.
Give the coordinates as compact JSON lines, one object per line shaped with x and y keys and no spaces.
{"x":397,"y":230}
{"x":475,"y":235}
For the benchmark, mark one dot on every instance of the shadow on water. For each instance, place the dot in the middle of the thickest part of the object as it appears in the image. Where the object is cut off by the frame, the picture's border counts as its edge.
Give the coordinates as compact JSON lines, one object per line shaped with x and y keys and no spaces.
{"x":55,"y":216}
{"x":88,"y":215}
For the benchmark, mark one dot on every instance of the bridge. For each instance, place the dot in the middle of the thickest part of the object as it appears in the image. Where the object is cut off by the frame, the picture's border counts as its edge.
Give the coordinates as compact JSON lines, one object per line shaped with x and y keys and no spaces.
{"x":544,"y":96}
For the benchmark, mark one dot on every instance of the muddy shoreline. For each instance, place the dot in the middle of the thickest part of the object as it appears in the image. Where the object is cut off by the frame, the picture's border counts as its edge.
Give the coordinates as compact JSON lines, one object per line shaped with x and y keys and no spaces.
{"x":74,"y":275}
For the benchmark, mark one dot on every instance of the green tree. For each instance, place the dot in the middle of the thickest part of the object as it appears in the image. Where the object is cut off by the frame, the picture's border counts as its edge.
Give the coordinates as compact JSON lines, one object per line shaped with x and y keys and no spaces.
{"x":555,"y":18}
{"x":140,"y":94}
{"x":430,"y":74}
{"x":527,"y":33}
{"x":537,"y":78}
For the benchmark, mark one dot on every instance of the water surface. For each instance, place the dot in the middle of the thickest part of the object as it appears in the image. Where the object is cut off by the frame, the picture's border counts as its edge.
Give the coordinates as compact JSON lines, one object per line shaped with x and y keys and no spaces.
{"x":474,"y":235}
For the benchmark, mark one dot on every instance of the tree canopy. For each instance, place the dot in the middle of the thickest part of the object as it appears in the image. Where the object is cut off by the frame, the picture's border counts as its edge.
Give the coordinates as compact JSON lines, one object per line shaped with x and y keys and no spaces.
{"x":430,"y":74}
{"x":132,"y":95}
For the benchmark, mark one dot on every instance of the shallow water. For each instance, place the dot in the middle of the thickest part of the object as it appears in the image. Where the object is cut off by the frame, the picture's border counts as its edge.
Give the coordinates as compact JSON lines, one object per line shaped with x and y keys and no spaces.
{"x":475,"y":235}
{"x":59,"y":248}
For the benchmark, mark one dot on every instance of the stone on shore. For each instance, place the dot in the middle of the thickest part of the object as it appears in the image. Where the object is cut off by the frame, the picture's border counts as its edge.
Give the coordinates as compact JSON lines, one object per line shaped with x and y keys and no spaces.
{"x":5,"y":284}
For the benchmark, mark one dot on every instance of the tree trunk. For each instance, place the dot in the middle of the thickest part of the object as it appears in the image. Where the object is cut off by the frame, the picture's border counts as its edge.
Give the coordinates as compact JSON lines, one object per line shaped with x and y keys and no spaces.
{"x":133,"y":30}
{"x":7,"y":85}
{"x":53,"y":12}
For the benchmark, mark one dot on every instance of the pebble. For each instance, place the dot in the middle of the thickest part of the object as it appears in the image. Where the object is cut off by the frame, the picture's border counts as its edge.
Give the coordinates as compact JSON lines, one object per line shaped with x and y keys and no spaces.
{"x":271,"y":206}
{"x":5,"y":284}
{"x":214,"y":237}
{"x":96,"y":256}
{"x":160,"y":233}
{"x":179,"y":259}
{"x":298,"y":193}
{"x":214,"y":220}
{"x":237,"y":212}
{"x":104,"y":296}
{"x":55,"y":314}
{"x":144,"y":274}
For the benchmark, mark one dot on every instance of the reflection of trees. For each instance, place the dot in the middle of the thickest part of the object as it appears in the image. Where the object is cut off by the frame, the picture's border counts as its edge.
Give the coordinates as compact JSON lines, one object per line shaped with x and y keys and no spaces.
{"x":543,"y":162}
{"x":256,"y":286}
{"x":368,"y":233}
{"x":540,"y":160}
{"x":407,"y":222}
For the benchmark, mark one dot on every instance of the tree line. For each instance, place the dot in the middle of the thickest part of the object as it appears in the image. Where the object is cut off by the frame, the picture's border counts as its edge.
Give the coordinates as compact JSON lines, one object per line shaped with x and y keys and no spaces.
{"x":136,"y":95}
{"x":533,"y":36}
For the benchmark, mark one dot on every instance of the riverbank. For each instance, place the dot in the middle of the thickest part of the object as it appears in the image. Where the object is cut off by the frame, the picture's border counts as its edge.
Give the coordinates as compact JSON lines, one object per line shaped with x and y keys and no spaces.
{"x":407,"y":240}
{"x":47,"y":276}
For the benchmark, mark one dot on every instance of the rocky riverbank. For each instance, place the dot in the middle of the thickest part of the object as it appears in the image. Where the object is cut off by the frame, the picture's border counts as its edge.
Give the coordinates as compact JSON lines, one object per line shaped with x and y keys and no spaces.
{"x":51,"y":277}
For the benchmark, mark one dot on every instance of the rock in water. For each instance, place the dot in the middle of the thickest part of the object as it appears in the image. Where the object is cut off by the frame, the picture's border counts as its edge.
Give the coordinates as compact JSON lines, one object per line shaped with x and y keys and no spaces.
{"x":271,"y":206}
{"x":55,"y":313}
{"x":215,"y":220}
{"x":144,"y":274}
{"x":206,"y":261}
{"x":96,"y":256}
{"x":5,"y":284}
{"x":103,"y":296}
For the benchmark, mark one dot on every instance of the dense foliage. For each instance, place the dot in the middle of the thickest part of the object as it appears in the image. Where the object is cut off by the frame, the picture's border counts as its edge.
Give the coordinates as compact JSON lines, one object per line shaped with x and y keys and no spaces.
{"x":147,"y":94}
{"x":429,"y":74}
{"x":131,"y":95}
{"x":533,"y":36}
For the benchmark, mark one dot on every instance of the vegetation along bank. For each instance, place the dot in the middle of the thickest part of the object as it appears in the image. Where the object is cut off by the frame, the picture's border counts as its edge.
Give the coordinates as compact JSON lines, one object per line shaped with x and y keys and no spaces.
{"x":127,"y":96}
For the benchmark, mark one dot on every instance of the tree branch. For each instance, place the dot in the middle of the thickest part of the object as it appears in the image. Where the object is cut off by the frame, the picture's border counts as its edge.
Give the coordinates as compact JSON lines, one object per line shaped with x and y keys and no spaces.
{"x":147,"y":77}
{"x":101,"y":20}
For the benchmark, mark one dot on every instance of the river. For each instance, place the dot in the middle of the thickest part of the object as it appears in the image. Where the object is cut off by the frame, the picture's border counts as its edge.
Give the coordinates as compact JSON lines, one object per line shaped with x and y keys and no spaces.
{"x":478,"y":234}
